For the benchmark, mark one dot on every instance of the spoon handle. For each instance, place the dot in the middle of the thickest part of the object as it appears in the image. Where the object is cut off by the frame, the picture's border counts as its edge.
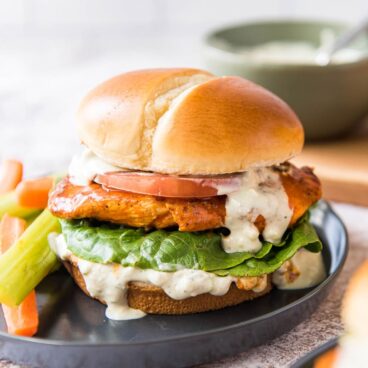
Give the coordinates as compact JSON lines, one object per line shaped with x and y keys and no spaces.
{"x":347,"y":37}
{"x":325,"y":54}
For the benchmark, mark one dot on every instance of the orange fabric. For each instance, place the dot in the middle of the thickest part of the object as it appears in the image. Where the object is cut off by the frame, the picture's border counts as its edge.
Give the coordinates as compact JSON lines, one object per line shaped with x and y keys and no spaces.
{"x":327,"y":360}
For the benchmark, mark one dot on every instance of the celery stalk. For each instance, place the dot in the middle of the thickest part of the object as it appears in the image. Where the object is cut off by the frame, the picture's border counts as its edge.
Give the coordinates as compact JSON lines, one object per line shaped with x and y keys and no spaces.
{"x":9,"y":205}
{"x":28,"y":261}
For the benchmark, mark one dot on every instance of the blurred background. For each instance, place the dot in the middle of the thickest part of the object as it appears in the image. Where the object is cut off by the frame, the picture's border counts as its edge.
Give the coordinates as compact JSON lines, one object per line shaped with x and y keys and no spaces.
{"x":53,"y":52}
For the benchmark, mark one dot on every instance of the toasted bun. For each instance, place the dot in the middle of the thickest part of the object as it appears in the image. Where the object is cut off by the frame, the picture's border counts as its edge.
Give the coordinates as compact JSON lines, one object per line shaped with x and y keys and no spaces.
{"x":186,"y":121}
{"x":354,"y":310}
{"x":153,"y":300}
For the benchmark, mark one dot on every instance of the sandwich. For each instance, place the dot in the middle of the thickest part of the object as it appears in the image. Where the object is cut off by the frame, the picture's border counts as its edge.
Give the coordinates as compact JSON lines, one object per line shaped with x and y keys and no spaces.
{"x":183,"y":199}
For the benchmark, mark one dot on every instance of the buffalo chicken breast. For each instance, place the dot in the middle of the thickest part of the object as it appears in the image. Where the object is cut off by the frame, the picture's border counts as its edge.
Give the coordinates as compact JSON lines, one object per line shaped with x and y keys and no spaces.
{"x":70,"y":201}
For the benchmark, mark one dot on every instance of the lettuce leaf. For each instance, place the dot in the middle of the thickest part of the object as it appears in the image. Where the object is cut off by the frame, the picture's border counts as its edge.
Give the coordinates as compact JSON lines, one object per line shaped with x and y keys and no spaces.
{"x":303,"y":235}
{"x":164,"y":250}
{"x":161,"y":250}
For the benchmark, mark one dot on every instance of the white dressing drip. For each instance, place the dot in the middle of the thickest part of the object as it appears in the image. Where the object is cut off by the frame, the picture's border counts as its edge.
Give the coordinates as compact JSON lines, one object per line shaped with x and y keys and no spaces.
{"x":86,"y":165}
{"x":261,"y":193}
{"x":109,"y":282}
{"x":309,"y":266}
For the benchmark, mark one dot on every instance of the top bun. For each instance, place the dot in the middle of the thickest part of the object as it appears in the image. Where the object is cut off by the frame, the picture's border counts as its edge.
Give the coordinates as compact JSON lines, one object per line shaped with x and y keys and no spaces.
{"x":187,"y":121}
{"x":354,"y":309}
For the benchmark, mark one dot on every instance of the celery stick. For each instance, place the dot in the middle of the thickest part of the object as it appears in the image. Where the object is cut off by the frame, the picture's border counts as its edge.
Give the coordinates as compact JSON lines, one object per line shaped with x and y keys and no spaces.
{"x":28,"y":261}
{"x":9,"y":205}
{"x":29,"y":219}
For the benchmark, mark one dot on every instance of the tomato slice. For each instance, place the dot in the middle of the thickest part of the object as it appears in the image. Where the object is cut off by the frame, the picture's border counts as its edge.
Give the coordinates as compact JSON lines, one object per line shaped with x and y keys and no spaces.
{"x":171,"y":186}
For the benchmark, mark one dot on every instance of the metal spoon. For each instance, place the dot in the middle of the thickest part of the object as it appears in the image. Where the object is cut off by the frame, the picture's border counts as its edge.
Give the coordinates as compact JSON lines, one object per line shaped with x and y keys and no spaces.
{"x":325,"y":54}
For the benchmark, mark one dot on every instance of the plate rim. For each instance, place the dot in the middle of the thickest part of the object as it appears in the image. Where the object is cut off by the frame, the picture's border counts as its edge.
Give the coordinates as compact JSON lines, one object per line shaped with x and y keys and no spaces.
{"x":315,"y":290}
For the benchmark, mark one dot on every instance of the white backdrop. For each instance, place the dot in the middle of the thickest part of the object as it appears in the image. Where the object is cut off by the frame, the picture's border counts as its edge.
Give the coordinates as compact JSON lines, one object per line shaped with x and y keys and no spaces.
{"x":169,"y":12}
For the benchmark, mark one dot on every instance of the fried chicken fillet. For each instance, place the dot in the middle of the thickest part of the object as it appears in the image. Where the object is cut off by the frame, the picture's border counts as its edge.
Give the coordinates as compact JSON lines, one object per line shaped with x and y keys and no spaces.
{"x":69,"y":201}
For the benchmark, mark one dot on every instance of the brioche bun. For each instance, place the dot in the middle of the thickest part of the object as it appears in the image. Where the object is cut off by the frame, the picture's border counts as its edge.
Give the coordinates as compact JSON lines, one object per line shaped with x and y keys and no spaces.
{"x":187,"y":121}
{"x":153,"y":300}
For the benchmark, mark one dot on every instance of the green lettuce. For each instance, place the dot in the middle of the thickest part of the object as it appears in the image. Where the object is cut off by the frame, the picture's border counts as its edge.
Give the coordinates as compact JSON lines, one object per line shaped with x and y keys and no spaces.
{"x":303,"y":235}
{"x":164,"y":250}
{"x":161,"y":250}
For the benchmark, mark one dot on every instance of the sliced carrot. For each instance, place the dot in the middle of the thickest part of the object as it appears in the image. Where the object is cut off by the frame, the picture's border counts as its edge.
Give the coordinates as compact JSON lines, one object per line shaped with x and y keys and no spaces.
{"x":34,"y":193}
{"x":11,"y":174}
{"x":23,"y":319}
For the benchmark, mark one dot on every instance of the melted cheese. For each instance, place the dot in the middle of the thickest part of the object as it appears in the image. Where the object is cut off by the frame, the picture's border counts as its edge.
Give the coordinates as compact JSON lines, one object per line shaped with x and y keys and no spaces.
{"x":261,"y":193}
{"x":310,"y":267}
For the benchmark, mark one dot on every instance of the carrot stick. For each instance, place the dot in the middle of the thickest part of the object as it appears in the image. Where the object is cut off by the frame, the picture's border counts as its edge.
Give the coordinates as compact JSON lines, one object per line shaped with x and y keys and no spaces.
{"x":34,"y":193}
{"x":23,"y":319}
{"x":11,"y":174}
{"x":11,"y":228}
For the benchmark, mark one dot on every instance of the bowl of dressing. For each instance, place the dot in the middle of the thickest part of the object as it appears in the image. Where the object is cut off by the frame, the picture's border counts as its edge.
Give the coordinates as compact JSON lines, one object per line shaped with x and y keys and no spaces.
{"x":282,"y":56}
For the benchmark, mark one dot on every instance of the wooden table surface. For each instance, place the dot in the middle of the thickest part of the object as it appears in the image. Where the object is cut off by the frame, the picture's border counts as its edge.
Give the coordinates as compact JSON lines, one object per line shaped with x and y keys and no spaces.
{"x":342,"y":165}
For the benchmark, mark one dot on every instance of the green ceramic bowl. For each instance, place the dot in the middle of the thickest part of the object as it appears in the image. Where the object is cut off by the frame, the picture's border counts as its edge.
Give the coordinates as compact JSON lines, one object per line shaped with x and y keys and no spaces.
{"x":329,"y":100}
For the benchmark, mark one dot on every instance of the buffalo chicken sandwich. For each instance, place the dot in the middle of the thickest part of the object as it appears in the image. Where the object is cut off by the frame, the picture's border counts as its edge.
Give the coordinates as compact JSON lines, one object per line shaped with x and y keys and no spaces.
{"x":183,"y":199}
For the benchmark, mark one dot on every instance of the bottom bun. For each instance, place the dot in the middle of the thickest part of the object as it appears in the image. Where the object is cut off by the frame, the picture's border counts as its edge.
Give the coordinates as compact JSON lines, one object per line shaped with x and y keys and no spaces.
{"x":153,"y":300}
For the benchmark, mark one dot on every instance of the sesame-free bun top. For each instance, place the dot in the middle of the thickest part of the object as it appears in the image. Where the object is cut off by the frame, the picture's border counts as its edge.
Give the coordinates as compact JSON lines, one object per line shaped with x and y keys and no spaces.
{"x":187,"y":121}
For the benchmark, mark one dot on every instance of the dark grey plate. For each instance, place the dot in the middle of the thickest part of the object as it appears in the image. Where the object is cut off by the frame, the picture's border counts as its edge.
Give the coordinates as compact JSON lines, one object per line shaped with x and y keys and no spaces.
{"x":308,"y":360}
{"x":75,"y":333}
